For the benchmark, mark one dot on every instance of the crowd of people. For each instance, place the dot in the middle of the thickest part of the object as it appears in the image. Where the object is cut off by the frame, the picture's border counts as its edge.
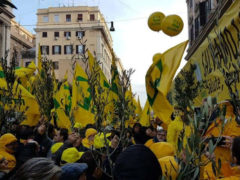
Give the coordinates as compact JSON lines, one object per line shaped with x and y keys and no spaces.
{"x":45,"y":152}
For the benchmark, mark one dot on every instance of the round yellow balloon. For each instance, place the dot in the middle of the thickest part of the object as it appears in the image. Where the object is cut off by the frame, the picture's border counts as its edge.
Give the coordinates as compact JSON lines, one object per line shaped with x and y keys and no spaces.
{"x":172,"y":25}
{"x":155,"y":21}
{"x":156,"y":57}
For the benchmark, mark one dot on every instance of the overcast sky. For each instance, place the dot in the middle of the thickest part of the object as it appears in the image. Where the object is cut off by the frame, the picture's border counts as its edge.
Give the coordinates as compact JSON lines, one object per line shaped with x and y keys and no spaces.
{"x":134,"y":43}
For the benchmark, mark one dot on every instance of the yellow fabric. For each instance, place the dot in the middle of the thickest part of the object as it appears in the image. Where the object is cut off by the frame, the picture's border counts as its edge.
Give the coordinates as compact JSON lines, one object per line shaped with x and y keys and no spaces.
{"x":138,"y":108}
{"x":27,"y":101}
{"x":81,"y":98}
{"x":55,"y":147}
{"x":149,"y":143}
{"x":62,"y":119}
{"x":231,"y":128}
{"x":174,"y":130}
{"x":208,"y":71}
{"x":78,"y":125}
{"x":7,"y":153}
{"x":159,"y":79}
{"x":71,"y":155}
{"x":99,"y":141}
{"x":162,"y":149}
{"x":169,"y":167}
{"x":145,"y":116}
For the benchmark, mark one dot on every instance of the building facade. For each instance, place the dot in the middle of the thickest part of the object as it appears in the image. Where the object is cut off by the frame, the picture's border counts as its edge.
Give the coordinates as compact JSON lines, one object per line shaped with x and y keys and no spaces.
{"x":21,"y":41}
{"x":65,"y":33}
{"x":202,"y":16}
{"x":5,"y":30}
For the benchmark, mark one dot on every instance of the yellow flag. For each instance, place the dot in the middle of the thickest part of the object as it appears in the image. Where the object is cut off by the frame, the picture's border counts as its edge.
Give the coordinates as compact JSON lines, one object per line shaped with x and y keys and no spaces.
{"x":138,"y":108}
{"x":145,"y":116}
{"x":81,"y":98}
{"x":159,"y":78}
{"x":62,"y":119}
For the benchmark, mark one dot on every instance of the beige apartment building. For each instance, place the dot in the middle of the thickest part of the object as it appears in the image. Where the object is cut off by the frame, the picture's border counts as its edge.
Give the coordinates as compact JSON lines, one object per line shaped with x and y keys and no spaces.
{"x":22,"y":41}
{"x":5,"y":28}
{"x":64,"y":34}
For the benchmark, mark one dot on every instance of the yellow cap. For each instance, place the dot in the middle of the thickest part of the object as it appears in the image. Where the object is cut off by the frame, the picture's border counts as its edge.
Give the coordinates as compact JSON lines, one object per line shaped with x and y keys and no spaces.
{"x":162,"y":149}
{"x":55,"y":147}
{"x":169,"y":167}
{"x":78,"y":125}
{"x":90,"y":131}
{"x":71,"y":155}
{"x":149,"y":143}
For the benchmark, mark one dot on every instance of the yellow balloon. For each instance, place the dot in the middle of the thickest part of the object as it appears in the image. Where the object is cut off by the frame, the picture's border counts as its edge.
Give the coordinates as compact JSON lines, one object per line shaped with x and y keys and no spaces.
{"x":172,"y":25}
{"x":156,"y":57}
{"x":155,"y":21}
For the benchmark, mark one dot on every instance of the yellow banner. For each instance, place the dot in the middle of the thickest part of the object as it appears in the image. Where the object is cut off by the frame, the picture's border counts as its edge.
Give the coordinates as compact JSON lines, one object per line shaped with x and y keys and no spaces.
{"x":219,"y":50}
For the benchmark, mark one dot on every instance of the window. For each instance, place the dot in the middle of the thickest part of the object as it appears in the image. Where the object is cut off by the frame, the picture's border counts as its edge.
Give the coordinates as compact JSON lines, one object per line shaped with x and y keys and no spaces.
{"x":80,"y":17}
{"x":27,"y":63}
{"x":190,"y":3}
{"x":44,"y":34}
{"x":80,"y":34}
{"x":56,"y":34}
{"x":80,"y":49}
{"x":67,"y":34}
{"x":55,"y":65}
{"x":45,"y":50}
{"x":68,"y":18}
{"x":68,"y":49}
{"x":45,"y":18}
{"x":197,"y":26}
{"x":56,"y":49}
{"x":56,"y":18}
{"x":92,"y":17}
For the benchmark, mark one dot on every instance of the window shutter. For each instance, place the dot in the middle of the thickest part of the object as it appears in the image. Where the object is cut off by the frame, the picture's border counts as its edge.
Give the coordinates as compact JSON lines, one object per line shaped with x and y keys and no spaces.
{"x":60,"y":48}
{"x":65,"y":34}
{"x":76,"y":33}
{"x":203,"y":17}
{"x":65,"y":52}
{"x":83,"y":33}
{"x":53,"y":52}
{"x":77,"y":49}
{"x":47,"y":50}
{"x":69,"y":34}
{"x":84,"y":49}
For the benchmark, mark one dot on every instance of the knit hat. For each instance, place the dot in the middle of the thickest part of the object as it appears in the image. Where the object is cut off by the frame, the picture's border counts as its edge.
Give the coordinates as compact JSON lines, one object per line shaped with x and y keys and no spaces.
{"x":73,"y":171}
{"x":90,"y":131}
{"x":137,"y":162}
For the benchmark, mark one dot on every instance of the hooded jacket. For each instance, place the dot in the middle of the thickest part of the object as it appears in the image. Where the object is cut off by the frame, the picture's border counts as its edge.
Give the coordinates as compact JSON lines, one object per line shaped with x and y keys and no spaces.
{"x":7,"y":153}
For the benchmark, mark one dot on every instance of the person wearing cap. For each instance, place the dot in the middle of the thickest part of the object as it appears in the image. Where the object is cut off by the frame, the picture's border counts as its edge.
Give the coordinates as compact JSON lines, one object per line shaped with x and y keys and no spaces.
{"x":137,"y":162}
{"x":88,"y":141}
{"x":70,"y":155}
{"x":74,"y":171}
{"x":8,"y":146}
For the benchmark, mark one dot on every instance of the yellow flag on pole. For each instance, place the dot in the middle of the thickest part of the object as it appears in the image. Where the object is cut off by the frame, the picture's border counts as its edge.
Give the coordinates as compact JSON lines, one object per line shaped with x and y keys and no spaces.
{"x":159,"y":78}
{"x":81,"y":98}
{"x":145,"y":116}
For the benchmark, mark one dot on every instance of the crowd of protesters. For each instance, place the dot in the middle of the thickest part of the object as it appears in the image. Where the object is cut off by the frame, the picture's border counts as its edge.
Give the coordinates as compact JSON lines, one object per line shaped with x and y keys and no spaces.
{"x":45,"y":152}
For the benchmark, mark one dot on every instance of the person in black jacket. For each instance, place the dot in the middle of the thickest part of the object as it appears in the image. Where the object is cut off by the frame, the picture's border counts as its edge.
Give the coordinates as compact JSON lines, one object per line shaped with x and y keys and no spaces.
{"x":40,"y":135}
